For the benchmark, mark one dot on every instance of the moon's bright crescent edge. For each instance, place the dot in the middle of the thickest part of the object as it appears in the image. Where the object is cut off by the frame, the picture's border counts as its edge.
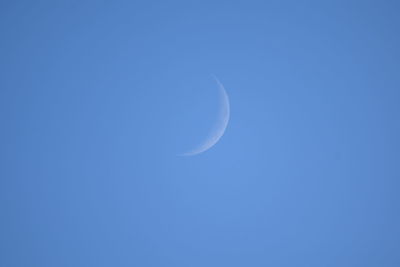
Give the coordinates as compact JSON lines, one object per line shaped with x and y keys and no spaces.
{"x":220,"y":126}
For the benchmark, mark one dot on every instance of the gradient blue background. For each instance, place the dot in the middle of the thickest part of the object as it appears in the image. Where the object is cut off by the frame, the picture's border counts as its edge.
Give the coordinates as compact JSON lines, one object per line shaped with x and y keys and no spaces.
{"x":97,"y":98}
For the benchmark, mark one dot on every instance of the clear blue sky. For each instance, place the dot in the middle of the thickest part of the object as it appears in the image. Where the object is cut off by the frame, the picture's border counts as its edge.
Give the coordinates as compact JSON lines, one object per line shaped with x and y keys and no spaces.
{"x":98,"y":97}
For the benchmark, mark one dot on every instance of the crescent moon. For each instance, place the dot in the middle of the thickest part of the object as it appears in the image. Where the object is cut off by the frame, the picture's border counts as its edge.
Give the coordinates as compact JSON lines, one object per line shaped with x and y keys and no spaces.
{"x":219,"y":127}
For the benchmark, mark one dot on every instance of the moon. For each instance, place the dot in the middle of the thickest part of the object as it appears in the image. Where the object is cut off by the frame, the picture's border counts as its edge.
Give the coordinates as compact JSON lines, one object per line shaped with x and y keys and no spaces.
{"x":218,"y":130}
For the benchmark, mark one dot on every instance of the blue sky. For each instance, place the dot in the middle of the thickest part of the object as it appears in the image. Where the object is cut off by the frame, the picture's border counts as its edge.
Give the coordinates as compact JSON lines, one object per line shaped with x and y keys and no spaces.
{"x":98,"y":97}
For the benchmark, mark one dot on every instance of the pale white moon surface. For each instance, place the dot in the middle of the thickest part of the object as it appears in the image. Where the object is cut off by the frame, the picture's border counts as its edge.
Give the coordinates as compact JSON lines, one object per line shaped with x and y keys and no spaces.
{"x":219,"y":127}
